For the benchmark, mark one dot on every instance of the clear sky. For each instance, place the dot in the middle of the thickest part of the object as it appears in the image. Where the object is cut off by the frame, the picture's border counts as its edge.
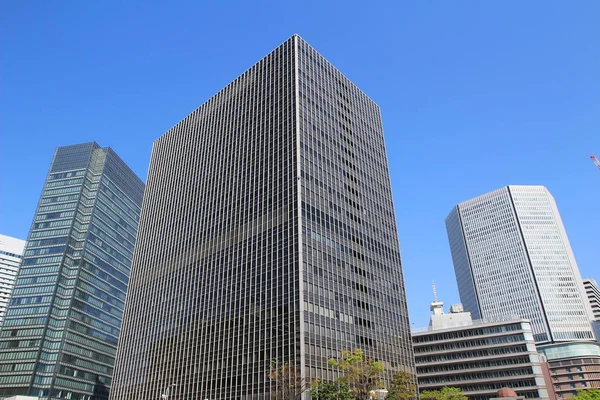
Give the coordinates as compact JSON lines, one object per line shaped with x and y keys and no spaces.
{"x":475,"y":95}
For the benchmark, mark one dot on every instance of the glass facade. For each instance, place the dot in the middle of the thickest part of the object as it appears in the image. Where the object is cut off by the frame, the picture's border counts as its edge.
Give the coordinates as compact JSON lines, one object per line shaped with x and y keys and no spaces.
{"x":519,"y":262}
{"x":572,"y":367}
{"x":267,"y":232}
{"x":60,"y":335}
{"x":462,"y":264}
{"x":11,"y":252}
{"x":570,"y":350}
{"x":352,"y":284}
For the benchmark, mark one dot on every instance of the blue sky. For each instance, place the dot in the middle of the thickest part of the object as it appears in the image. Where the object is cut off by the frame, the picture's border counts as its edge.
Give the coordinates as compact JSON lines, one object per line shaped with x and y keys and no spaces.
{"x":475,"y":95}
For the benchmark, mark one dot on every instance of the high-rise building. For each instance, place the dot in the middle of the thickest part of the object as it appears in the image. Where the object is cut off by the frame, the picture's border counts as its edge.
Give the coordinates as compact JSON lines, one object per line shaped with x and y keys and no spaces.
{"x":11,"y":251}
{"x":593,"y":294}
{"x":267,"y":232}
{"x":512,"y":257}
{"x":60,"y":333}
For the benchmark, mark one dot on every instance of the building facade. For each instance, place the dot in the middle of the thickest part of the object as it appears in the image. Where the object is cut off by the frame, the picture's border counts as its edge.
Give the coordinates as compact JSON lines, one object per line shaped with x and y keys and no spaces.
{"x":593,"y":294}
{"x":512,"y":257}
{"x":11,"y":252}
{"x":60,"y":333}
{"x":480,"y":359}
{"x":572,"y":367}
{"x":267,"y":232}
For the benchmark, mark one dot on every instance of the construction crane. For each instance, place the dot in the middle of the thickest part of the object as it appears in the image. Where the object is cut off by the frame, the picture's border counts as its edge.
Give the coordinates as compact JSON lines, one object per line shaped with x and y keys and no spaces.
{"x":596,"y":161}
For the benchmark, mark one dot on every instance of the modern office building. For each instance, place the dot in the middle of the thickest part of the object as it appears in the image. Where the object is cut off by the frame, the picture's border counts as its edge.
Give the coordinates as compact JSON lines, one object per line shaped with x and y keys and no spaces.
{"x":593,"y":295}
{"x":512,"y":257}
{"x":60,"y":333}
{"x":479,"y":357}
{"x":572,"y":366}
{"x":11,"y":251}
{"x":267,"y":232}
{"x":596,"y":328}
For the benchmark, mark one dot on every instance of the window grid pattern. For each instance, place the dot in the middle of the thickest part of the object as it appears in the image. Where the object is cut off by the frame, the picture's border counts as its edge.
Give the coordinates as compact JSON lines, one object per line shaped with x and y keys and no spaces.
{"x":11,"y":253}
{"x":462,"y":265}
{"x":480,"y":360}
{"x":63,"y":322}
{"x":593,"y":294}
{"x":518,"y":261}
{"x":214,"y":290}
{"x":352,"y":275}
{"x":502,"y":275}
{"x":556,"y":273}
{"x":573,"y":366}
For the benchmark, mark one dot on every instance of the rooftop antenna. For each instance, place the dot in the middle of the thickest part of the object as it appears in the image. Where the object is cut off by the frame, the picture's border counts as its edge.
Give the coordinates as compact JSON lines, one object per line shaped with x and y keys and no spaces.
{"x":436,"y":306}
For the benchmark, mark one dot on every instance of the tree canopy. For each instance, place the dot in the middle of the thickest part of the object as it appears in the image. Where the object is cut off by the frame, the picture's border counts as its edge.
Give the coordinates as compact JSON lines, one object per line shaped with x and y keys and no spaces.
{"x":402,"y":387}
{"x":338,"y":390}
{"x":446,"y":393}
{"x":362,"y":374}
{"x":587,"y":394}
{"x":288,"y":383}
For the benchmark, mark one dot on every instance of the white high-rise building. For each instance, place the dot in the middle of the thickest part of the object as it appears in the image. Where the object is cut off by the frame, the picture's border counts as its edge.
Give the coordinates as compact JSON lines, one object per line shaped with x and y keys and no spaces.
{"x":11,"y":252}
{"x":593,"y":294}
{"x":512,"y":258}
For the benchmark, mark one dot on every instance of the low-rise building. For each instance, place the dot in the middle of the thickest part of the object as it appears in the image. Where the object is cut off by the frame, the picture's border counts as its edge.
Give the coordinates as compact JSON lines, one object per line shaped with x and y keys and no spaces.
{"x":479,"y":357}
{"x":571,"y":367}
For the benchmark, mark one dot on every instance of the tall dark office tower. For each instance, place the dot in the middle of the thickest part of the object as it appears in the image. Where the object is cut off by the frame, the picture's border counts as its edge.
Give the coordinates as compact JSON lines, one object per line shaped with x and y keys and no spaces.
{"x":267,"y":232}
{"x":60,"y":333}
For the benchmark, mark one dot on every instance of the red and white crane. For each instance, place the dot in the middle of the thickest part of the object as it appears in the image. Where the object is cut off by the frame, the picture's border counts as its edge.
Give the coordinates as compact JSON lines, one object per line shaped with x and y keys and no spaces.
{"x":596,"y":161}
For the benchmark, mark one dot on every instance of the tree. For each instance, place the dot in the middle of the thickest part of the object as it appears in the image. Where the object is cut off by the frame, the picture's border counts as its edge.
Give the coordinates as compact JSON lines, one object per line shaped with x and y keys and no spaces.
{"x":446,"y":393}
{"x":288,"y":382}
{"x":402,"y":387}
{"x":338,"y":390}
{"x":362,"y":374}
{"x":587,"y":394}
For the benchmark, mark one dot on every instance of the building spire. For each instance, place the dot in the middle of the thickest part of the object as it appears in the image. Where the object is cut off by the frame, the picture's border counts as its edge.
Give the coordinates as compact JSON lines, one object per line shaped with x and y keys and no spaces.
{"x":437,"y":307}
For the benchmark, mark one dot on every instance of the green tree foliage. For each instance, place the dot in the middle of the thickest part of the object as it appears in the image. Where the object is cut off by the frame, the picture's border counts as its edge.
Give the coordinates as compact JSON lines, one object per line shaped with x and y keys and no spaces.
{"x":402,"y":387}
{"x":338,"y":390}
{"x":362,"y":374}
{"x":446,"y":393}
{"x":287,"y":381}
{"x":587,"y":394}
